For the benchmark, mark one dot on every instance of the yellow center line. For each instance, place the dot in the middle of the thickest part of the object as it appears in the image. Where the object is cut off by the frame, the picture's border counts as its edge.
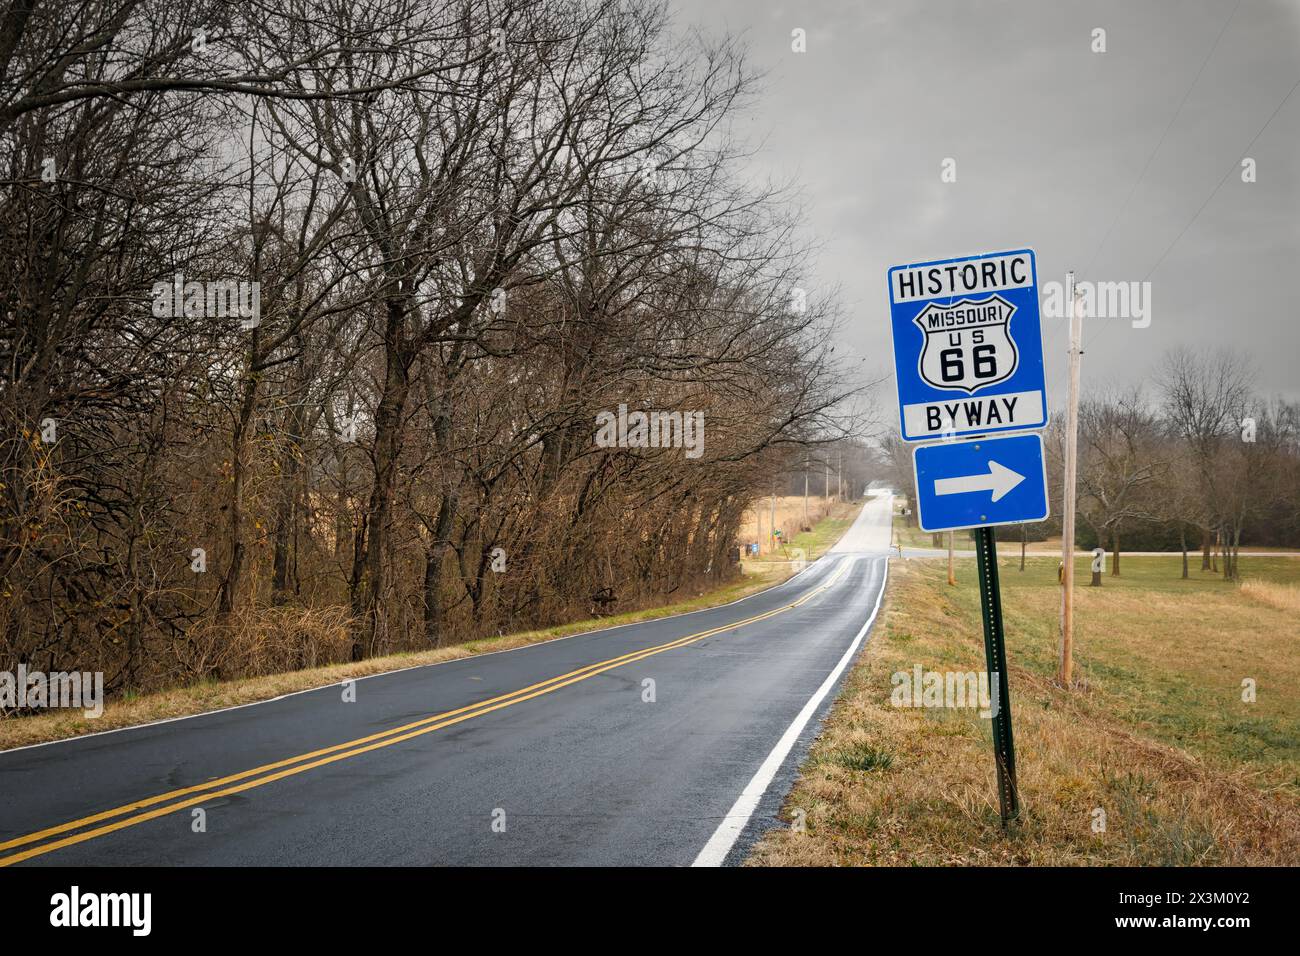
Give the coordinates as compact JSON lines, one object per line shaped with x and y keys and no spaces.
{"x":361,"y":745}
{"x":245,"y":774}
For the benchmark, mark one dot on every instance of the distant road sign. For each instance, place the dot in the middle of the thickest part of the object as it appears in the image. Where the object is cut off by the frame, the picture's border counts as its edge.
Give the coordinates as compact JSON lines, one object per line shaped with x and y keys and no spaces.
{"x":980,"y":482}
{"x":968,"y":346}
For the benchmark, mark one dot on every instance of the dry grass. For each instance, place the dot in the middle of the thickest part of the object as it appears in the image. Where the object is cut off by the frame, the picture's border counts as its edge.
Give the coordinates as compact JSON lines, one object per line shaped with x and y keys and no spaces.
{"x":220,"y":656}
{"x":264,"y":640}
{"x":1157,"y":737}
{"x":803,"y":546}
{"x":1281,"y":596}
{"x":789,"y":517}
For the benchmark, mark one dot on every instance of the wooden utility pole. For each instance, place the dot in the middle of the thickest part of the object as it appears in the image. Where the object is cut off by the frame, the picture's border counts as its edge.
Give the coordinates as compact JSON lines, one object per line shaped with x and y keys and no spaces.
{"x":805,"y":492}
{"x":772,"y":517}
{"x":952,"y":578}
{"x":1071,"y":477}
{"x":839,"y":480}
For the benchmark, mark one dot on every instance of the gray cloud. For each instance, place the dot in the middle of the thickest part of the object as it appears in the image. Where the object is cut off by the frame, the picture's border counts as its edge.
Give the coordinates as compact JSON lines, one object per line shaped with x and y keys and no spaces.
{"x":1049,"y":140}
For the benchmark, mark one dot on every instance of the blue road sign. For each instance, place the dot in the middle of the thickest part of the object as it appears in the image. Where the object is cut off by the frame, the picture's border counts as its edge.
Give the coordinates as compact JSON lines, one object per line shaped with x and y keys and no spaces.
{"x":980,"y":482}
{"x":968,"y":346}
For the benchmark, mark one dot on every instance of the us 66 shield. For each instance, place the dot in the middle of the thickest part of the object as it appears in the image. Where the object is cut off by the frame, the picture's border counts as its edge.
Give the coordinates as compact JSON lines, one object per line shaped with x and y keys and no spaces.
{"x":968,"y":345}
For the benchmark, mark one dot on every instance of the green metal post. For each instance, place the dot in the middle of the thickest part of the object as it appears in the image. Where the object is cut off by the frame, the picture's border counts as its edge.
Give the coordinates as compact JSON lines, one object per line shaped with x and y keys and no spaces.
{"x":995,"y":652}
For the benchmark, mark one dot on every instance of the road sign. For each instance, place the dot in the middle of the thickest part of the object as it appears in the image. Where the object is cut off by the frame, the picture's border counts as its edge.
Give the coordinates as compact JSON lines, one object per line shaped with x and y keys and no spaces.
{"x":968,"y":346}
{"x":980,"y":482}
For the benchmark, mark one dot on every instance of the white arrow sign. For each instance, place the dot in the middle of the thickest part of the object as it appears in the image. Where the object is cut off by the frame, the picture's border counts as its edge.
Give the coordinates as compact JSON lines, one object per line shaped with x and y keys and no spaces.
{"x":999,"y":480}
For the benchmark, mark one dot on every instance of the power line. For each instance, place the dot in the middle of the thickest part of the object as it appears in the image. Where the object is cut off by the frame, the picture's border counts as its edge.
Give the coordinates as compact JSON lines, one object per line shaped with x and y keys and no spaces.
{"x":1221,"y":181}
{"x":1236,"y":160}
{"x":1168,"y":126}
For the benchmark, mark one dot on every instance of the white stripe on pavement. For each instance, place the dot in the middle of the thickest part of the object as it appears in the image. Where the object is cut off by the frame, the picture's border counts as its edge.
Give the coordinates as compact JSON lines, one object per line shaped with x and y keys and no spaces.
{"x":734,"y":823}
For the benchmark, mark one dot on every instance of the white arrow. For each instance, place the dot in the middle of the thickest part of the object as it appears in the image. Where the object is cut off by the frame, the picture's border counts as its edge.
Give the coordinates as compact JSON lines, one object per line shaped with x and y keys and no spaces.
{"x":999,"y":480}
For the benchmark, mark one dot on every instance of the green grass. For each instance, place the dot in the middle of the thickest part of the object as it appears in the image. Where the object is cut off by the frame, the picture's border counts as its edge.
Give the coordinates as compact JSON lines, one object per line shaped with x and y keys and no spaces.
{"x":1153,"y":741}
{"x":914,"y":537}
{"x":1165,"y":654}
{"x":863,"y":758}
{"x":814,"y":543}
{"x":822,"y":537}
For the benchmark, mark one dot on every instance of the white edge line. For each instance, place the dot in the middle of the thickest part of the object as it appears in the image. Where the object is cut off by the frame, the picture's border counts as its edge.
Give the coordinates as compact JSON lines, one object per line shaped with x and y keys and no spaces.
{"x":414,"y":667}
{"x":737,"y":818}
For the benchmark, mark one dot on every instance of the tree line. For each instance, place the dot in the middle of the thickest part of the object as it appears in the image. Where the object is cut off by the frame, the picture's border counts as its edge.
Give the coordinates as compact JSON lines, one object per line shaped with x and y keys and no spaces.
{"x":1195,"y":459}
{"x":310,"y":311}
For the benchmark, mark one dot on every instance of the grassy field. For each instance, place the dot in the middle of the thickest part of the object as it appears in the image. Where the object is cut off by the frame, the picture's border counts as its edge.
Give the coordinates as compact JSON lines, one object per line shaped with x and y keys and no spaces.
{"x":914,"y":537}
{"x":213,"y":695}
{"x":812,"y":544}
{"x":1156,"y":737}
{"x":756,"y":524}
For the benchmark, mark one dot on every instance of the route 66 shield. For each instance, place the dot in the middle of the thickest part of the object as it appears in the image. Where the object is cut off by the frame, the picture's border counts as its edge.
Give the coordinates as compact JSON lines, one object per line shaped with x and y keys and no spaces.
{"x":968,"y":343}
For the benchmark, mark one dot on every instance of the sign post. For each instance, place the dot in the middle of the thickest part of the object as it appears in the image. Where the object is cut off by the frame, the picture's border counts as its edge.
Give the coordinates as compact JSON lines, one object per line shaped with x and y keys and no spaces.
{"x":968,"y":362}
{"x":995,"y":654}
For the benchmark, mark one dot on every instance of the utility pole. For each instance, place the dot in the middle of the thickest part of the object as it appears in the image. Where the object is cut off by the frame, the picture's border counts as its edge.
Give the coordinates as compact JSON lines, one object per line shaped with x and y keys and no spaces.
{"x":805,"y":492}
{"x":1071,"y":478}
{"x":771,"y":530}
{"x":839,"y":479}
{"x":952,"y":578}
{"x":828,"y":485}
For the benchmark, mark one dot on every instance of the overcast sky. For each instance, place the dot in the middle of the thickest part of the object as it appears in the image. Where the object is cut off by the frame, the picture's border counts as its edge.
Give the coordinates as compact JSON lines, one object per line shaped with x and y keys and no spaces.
{"x":1050,"y":141}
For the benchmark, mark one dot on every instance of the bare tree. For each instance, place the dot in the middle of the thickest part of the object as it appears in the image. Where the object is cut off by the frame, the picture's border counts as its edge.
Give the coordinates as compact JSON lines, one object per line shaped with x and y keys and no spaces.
{"x":1204,"y":398}
{"x":1119,"y":460}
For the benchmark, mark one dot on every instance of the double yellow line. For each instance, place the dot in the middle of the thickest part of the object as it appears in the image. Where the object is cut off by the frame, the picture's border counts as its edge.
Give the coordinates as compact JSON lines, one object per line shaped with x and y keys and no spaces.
{"x":159,"y":805}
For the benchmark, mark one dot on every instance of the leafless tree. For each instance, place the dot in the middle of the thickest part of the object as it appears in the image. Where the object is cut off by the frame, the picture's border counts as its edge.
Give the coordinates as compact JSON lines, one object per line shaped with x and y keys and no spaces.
{"x":1119,"y":462}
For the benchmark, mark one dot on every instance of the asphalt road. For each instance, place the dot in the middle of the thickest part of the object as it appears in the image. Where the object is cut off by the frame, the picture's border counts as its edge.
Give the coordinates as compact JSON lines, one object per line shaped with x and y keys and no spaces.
{"x":549,"y":754}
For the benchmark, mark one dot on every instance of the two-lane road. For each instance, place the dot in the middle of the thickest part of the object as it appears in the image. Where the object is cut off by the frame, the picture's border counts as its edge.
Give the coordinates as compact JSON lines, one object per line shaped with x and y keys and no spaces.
{"x":668,"y":742}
